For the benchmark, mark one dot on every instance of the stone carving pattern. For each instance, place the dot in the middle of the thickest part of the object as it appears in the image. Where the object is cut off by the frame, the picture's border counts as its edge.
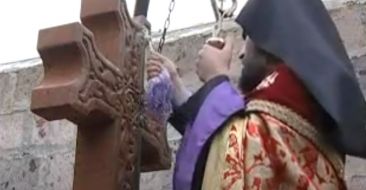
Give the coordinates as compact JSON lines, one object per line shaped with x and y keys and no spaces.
{"x":122,"y":95}
{"x":135,"y":45}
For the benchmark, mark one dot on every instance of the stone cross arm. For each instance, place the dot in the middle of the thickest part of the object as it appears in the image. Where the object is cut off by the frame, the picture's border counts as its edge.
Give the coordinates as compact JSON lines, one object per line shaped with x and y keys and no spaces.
{"x":79,"y":81}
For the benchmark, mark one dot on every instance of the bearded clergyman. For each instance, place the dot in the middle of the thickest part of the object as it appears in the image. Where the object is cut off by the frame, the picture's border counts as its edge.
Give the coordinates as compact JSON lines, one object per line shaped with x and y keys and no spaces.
{"x":298,"y":111}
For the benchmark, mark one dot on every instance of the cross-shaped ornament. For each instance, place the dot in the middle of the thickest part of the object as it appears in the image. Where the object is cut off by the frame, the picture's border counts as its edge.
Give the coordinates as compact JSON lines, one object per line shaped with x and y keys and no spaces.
{"x":94,"y":75}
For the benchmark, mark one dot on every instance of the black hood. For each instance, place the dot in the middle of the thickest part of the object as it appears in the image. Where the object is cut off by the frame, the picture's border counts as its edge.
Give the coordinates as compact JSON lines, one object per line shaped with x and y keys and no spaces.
{"x":302,"y":33}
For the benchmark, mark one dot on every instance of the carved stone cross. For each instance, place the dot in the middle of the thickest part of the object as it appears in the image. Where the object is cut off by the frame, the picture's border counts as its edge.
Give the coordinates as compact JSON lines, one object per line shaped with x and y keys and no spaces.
{"x":94,"y":78}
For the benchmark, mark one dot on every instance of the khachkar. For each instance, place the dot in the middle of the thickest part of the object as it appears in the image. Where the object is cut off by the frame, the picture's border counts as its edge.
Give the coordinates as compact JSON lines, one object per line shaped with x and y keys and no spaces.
{"x":94,"y":75}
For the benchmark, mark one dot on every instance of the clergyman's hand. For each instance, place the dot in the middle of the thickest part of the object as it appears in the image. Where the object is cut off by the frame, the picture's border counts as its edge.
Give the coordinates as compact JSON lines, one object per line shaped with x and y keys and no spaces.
{"x":155,"y":64}
{"x":156,"y":61}
{"x":213,"y":62}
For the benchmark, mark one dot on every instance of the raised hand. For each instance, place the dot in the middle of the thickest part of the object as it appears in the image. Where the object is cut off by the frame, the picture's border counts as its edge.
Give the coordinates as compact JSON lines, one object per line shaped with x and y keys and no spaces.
{"x":155,"y":64}
{"x":213,"y":61}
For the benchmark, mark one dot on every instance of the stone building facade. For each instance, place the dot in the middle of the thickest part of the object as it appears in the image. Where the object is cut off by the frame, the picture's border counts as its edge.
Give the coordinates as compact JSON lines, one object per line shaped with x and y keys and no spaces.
{"x":39,"y":155}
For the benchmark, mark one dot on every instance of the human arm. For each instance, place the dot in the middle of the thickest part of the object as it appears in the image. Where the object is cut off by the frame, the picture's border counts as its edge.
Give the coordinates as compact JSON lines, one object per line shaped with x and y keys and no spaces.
{"x":217,"y":95}
{"x":212,"y":69}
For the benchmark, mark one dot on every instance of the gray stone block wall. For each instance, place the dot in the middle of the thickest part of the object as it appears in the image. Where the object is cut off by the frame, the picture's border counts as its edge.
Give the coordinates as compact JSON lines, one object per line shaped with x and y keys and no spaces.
{"x":34,"y":154}
{"x":39,"y":155}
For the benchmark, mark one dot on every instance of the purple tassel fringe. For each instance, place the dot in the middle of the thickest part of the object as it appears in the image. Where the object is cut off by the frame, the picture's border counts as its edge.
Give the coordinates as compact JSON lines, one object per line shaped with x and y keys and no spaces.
{"x":159,"y":95}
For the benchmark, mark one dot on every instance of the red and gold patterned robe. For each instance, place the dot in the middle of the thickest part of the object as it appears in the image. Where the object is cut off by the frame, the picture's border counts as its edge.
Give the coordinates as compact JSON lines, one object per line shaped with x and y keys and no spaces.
{"x":275,"y":144}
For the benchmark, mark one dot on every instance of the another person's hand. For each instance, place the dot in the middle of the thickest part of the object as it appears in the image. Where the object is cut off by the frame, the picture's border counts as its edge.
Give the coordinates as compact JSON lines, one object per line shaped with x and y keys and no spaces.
{"x":155,"y":64}
{"x":213,"y":62}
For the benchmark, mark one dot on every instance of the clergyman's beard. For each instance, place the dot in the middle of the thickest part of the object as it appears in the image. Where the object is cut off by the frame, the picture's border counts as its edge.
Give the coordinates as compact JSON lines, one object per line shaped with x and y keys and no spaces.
{"x":253,"y":72}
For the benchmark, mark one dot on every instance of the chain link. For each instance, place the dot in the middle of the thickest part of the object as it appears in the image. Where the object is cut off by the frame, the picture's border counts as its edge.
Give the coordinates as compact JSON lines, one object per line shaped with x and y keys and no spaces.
{"x":166,"y":26}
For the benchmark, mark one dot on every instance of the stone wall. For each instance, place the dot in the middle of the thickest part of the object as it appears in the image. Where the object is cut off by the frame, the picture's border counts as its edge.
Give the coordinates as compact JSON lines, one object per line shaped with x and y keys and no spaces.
{"x":34,"y":154}
{"x":39,"y":155}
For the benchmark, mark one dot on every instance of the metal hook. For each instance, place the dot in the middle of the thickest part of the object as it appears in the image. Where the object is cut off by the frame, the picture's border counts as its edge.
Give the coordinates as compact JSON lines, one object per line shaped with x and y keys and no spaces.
{"x":221,"y":13}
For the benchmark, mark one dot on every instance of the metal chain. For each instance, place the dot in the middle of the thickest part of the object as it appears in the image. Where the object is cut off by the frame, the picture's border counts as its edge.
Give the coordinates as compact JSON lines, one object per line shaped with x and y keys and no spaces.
{"x":221,"y":18}
{"x":166,"y":26}
{"x":219,"y":11}
{"x":222,"y":4}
